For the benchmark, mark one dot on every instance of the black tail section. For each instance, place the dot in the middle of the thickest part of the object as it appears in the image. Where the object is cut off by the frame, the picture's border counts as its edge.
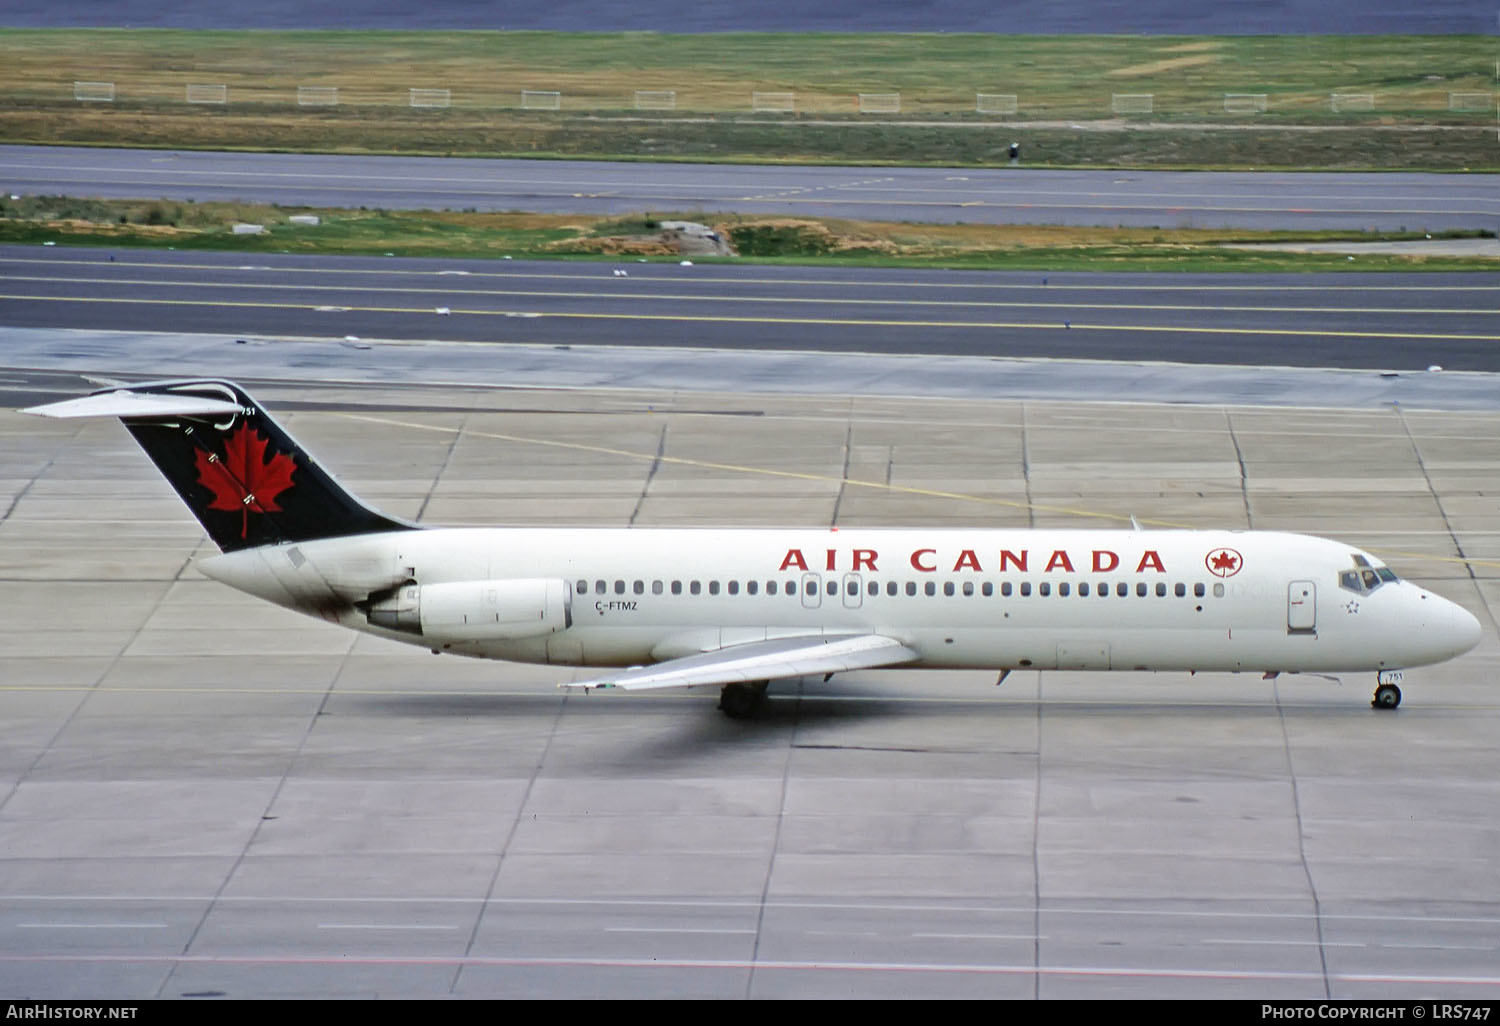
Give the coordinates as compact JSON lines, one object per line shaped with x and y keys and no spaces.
{"x":247,"y":481}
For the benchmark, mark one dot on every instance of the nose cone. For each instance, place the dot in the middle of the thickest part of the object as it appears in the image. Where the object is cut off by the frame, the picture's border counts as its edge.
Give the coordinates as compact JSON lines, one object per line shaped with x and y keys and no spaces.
{"x":1464,"y":630}
{"x":1435,"y":629}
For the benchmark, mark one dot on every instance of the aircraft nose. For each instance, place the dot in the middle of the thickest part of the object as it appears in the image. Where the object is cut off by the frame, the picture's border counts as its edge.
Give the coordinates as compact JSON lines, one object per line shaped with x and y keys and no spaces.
{"x":1465,"y":631}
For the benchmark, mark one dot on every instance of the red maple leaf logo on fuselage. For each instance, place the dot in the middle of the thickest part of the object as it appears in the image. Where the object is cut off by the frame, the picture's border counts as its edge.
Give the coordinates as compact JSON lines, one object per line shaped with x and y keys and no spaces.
{"x":1224,"y":562}
{"x":245,"y":478}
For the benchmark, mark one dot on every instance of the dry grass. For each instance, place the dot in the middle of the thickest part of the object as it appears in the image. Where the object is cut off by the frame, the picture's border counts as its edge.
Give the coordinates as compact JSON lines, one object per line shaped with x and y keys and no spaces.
{"x":935,"y":74}
{"x":1059,"y":81}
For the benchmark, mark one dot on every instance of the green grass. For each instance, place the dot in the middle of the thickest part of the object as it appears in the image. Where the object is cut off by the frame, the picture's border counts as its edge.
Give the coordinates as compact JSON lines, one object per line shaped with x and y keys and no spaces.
{"x":826,"y":241}
{"x":1059,"y":81}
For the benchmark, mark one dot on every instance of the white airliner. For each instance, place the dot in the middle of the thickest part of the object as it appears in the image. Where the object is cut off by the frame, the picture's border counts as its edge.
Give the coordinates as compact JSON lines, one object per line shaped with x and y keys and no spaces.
{"x":739,"y":608}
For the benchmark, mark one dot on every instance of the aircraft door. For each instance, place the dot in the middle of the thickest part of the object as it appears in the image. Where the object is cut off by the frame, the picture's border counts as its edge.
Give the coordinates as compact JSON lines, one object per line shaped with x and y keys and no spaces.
{"x":853,"y":591}
{"x":812,"y":591}
{"x":1301,"y":607}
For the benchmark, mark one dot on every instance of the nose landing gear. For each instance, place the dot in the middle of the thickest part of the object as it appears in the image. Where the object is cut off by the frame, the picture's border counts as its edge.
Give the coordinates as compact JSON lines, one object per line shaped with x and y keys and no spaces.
{"x":1387,"y":693}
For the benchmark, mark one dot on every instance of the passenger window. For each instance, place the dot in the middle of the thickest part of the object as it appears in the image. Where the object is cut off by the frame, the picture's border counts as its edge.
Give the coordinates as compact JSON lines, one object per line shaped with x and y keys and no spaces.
{"x":1083,"y":589}
{"x":583,"y":588}
{"x":734,"y":587}
{"x":713,"y":587}
{"x":833,"y":587}
{"x":600,"y":587}
{"x":968,"y":587}
{"x":1025,"y":589}
{"x":1062,"y":589}
{"x":639,"y":587}
{"x":770,"y":587}
{"x":1218,"y":589}
{"x":852,"y":588}
{"x":812,"y":587}
{"x":1140,"y":589}
{"x":1122,"y":589}
{"x":1161,"y":589}
{"x":656,"y":587}
{"x":873,"y":588}
{"x":1179,"y":590}
{"x":1198,"y":590}
{"x":676,"y":587}
{"x":930,"y":587}
{"x":988,"y":588}
{"x":891,"y":587}
{"x":696,"y":587}
{"x":619,"y":587}
{"x":1005,"y":588}
{"x":911,"y":587}
{"x":1044,"y":589}
{"x":751,"y":587}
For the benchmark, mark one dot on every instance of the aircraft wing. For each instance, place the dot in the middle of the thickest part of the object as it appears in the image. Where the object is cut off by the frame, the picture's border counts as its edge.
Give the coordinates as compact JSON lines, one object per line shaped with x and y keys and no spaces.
{"x":760,"y":660}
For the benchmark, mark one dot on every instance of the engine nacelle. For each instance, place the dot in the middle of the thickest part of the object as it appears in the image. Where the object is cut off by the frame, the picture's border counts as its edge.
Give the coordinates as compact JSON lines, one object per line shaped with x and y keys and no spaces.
{"x":498,"y":610}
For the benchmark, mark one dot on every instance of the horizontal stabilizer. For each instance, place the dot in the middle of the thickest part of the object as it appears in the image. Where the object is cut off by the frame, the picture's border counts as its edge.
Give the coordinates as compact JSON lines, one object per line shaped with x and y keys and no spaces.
{"x":125,"y":403}
{"x":761,"y":660}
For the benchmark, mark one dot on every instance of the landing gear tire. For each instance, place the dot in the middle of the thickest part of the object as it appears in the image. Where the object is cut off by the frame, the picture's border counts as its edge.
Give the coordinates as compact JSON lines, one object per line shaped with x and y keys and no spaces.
{"x":742,"y":701}
{"x":1387,"y":696}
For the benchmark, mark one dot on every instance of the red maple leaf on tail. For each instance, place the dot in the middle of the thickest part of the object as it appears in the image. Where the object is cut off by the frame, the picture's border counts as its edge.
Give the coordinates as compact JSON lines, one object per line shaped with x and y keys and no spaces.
{"x":244,"y":478}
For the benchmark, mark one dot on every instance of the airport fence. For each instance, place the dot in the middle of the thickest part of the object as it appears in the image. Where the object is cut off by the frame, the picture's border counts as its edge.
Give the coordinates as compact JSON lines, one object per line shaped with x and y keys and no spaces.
{"x":102,"y":92}
{"x":1456,"y":102}
{"x":996,"y":103}
{"x":317,"y":96}
{"x":541,"y":99}
{"x":202,"y":93}
{"x":778,"y":103}
{"x":880,"y":103}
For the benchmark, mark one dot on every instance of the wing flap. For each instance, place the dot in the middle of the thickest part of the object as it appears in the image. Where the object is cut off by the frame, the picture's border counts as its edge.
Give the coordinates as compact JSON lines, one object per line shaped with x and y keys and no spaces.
{"x":760,"y":660}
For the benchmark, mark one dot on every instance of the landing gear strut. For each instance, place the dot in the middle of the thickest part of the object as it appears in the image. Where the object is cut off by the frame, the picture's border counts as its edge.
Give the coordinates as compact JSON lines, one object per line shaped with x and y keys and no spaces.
{"x":742,"y":701}
{"x":1387,"y":696}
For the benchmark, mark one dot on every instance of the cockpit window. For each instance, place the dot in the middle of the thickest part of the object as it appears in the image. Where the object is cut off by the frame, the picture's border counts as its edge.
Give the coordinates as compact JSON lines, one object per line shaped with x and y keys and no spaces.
{"x":1365,"y":578}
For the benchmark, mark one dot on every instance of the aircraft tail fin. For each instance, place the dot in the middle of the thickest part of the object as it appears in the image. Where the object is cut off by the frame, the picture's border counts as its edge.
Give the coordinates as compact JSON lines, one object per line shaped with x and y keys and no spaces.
{"x":242,"y":475}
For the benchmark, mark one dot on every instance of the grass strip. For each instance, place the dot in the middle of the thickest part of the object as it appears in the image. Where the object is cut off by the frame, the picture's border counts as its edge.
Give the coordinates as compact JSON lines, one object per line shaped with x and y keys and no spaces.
{"x":165,"y":224}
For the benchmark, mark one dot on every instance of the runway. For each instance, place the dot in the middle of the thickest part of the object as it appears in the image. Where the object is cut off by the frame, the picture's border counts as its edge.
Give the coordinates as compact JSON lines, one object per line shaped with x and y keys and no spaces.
{"x":1399,"y":322}
{"x":203,"y":796}
{"x":1167,"y":199}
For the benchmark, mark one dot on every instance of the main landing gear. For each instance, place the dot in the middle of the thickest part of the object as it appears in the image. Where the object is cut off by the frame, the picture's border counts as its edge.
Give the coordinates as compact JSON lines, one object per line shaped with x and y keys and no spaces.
{"x":1387,"y":692}
{"x":742,"y":701}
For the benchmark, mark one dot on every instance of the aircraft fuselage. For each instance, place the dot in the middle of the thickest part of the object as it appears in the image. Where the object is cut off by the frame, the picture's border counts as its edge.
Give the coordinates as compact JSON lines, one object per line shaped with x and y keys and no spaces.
{"x":997,"y":599}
